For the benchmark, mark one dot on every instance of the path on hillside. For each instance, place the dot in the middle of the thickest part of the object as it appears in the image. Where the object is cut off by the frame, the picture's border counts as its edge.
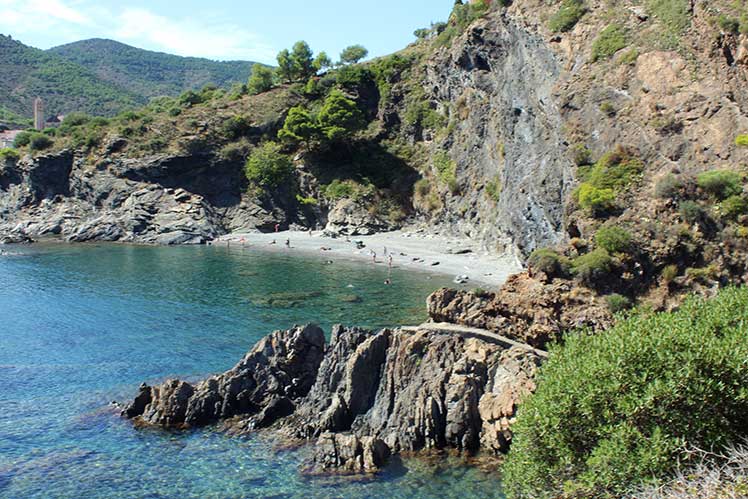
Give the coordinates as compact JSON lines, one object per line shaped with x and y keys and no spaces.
{"x":466,"y":331}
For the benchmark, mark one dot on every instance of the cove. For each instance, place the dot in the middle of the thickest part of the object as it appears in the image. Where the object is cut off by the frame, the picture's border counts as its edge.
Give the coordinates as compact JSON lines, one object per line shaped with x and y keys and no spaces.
{"x":84,"y":325}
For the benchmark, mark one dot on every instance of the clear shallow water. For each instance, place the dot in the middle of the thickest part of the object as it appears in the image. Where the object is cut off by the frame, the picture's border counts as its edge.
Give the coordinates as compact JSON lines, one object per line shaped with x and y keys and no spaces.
{"x":81,"y":326}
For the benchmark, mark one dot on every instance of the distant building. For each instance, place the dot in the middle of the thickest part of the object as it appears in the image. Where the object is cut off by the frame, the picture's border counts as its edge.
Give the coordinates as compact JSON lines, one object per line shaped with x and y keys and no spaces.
{"x":8,"y":137}
{"x":39,"y":114}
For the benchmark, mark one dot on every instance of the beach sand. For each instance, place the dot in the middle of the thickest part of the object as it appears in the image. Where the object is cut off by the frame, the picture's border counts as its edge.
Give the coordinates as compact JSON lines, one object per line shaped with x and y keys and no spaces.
{"x":411,"y":251}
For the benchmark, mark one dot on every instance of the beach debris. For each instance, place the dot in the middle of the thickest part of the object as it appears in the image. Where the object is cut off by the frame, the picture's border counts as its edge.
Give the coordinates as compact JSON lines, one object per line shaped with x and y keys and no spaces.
{"x":434,"y":264}
{"x":461,"y":279}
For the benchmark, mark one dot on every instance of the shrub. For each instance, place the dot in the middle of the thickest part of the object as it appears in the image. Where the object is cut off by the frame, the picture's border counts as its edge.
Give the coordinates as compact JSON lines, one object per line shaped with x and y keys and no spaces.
{"x":674,"y":14}
{"x":669,"y":273}
{"x":620,"y":407}
{"x":608,"y":42}
{"x":703,"y":275}
{"x":581,"y":155}
{"x":567,"y":16}
{"x":741,"y":140}
{"x":299,"y":126}
{"x":493,"y":189}
{"x":39,"y":142}
{"x":617,"y":303}
{"x":614,"y":239}
{"x":339,"y":117}
{"x":733,"y":207}
{"x":593,"y":266}
{"x":339,"y":190}
{"x":608,"y":109}
{"x":549,"y":262}
{"x":668,"y":187}
{"x":446,"y":167}
{"x":9,"y":154}
{"x":630,"y":57}
{"x":596,"y":201}
{"x":310,"y":201}
{"x":720,"y":184}
{"x":615,"y":170}
{"x":692,"y":212}
{"x":422,"y":187}
{"x":728,"y":24}
{"x":261,"y":79}
{"x":22,"y":139}
{"x":267,"y":166}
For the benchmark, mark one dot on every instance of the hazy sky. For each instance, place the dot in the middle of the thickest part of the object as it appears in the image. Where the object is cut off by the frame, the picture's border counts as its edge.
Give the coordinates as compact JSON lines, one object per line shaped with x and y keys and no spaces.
{"x":220,"y":29}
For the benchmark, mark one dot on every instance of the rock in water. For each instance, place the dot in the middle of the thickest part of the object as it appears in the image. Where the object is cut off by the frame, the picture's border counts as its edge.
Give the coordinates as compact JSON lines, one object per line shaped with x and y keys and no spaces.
{"x":280,"y":368}
{"x":362,"y":397}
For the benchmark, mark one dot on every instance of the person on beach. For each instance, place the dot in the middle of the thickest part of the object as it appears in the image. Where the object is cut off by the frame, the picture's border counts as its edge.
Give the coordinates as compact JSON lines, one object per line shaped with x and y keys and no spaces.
{"x":310,"y":232}
{"x":373,"y":256}
{"x":389,"y":260}
{"x":272,"y":242}
{"x":288,"y":243}
{"x":277,"y":227}
{"x":385,"y":251}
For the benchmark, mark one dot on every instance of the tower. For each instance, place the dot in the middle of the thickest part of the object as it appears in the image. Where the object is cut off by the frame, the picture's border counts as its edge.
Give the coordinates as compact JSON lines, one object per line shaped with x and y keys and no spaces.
{"x":39,"y":113}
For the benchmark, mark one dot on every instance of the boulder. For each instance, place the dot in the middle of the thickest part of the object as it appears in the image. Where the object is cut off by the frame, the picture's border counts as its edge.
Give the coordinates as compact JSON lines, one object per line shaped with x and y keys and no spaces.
{"x":348,"y":453}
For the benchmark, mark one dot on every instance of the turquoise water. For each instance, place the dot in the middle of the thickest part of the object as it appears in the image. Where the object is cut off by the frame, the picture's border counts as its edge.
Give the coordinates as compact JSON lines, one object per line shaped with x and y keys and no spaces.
{"x":81,"y":326}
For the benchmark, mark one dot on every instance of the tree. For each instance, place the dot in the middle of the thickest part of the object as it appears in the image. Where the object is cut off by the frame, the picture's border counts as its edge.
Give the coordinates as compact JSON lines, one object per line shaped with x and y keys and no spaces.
{"x":322,"y":61}
{"x":302,"y":61}
{"x":261,"y":79}
{"x":353,"y":54}
{"x":285,"y":69}
{"x":267,"y":166}
{"x":299,"y":126}
{"x":422,"y":33}
{"x":339,"y":117}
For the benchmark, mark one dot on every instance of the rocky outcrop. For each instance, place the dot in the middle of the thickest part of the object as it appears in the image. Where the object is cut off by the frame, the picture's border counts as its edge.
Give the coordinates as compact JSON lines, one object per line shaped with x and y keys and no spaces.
{"x":160,"y":199}
{"x":362,"y":397}
{"x":350,"y":218}
{"x":526,"y":309}
{"x":263,"y":387}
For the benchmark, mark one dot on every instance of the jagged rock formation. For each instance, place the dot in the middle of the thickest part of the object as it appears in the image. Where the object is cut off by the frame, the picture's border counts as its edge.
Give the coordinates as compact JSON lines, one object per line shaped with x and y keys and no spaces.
{"x":524,"y":309}
{"x":369,"y":395}
{"x":160,"y":199}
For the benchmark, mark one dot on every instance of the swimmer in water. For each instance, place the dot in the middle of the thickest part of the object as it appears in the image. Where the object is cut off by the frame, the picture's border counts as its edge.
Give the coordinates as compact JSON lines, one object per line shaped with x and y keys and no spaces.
{"x":388,"y":281}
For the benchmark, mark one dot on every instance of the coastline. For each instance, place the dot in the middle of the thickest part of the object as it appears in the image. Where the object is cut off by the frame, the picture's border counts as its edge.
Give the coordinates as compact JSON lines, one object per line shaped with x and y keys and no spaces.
{"x":410,"y":251}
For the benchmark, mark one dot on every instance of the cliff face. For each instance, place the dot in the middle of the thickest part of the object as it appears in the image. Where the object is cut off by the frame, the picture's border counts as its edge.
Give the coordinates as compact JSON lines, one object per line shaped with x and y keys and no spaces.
{"x":362,"y":397}
{"x":497,"y":84}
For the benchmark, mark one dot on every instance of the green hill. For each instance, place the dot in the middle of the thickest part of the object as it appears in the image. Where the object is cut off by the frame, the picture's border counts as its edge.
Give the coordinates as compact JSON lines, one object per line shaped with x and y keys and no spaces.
{"x":150,"y":74}
{"x":65,"y":86}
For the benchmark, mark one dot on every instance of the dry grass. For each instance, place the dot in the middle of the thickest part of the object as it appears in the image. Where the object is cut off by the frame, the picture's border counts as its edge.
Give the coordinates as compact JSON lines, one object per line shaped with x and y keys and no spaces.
{"x":717,"y":476}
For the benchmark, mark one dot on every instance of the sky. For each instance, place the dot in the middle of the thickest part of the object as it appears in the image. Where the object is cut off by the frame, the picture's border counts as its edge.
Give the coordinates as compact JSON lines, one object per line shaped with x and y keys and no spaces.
{"x":223,"y":30}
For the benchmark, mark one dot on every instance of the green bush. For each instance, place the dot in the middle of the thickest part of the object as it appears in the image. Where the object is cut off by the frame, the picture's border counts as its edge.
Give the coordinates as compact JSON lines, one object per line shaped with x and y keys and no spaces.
{"x":339,"y":189}
{"x":728,"y":24}
{"x":623,"y":406}
{"x":733,"y":207}
{"x":721,"y":184}
{"x":674,"y":14}
{"x":615,"y":170}
{"x":669,"y":273}
{"x":267,"y":166}
{"x":339,"y":118}
{"x":567,"y":16}
{"x":39,"y":142}
{"x":261,"y":79}
{"x":597,"y":202}
{"x":668,"y":187}
{"x":608,"y":42}
{"x":741,"y":140}
{"x":23,"y":139}
{"x":593,"y":266}
{"x":422,"y":187}
{"x":493,"y":189}
{"x":549,"y":262}
{"x":9,"y":154}
{"x":617,"y":303}
{"x":608,"y":109}
{"x":614,"y":239}
{"x":446,"y":167}
{"x":581,"y":155}
{"x":692,"y":212}
{"x":630,"y":57}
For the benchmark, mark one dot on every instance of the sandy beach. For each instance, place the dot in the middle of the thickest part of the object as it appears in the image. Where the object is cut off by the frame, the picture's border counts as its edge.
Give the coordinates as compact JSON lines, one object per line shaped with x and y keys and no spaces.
{"x":412,"y":251}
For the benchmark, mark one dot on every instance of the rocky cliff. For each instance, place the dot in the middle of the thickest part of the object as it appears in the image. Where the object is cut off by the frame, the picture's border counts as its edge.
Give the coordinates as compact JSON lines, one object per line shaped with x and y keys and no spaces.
{"x":360,"y":398}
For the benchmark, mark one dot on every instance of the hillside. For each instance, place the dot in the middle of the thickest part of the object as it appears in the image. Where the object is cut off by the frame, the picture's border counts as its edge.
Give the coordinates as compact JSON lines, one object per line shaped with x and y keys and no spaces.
{"x":150,"y":74}
{"x":28,"y":72}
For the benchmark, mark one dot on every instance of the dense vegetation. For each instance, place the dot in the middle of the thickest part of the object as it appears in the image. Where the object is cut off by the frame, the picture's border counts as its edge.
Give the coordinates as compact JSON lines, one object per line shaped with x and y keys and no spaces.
{"x":65,"y":86}
{"x":624,"y":406}
{"x":100,"y":77}
{"x":150,"y":74}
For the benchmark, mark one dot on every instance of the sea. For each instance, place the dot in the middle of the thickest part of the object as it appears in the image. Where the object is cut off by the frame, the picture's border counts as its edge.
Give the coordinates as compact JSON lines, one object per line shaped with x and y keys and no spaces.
{"x":81,"y":326}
